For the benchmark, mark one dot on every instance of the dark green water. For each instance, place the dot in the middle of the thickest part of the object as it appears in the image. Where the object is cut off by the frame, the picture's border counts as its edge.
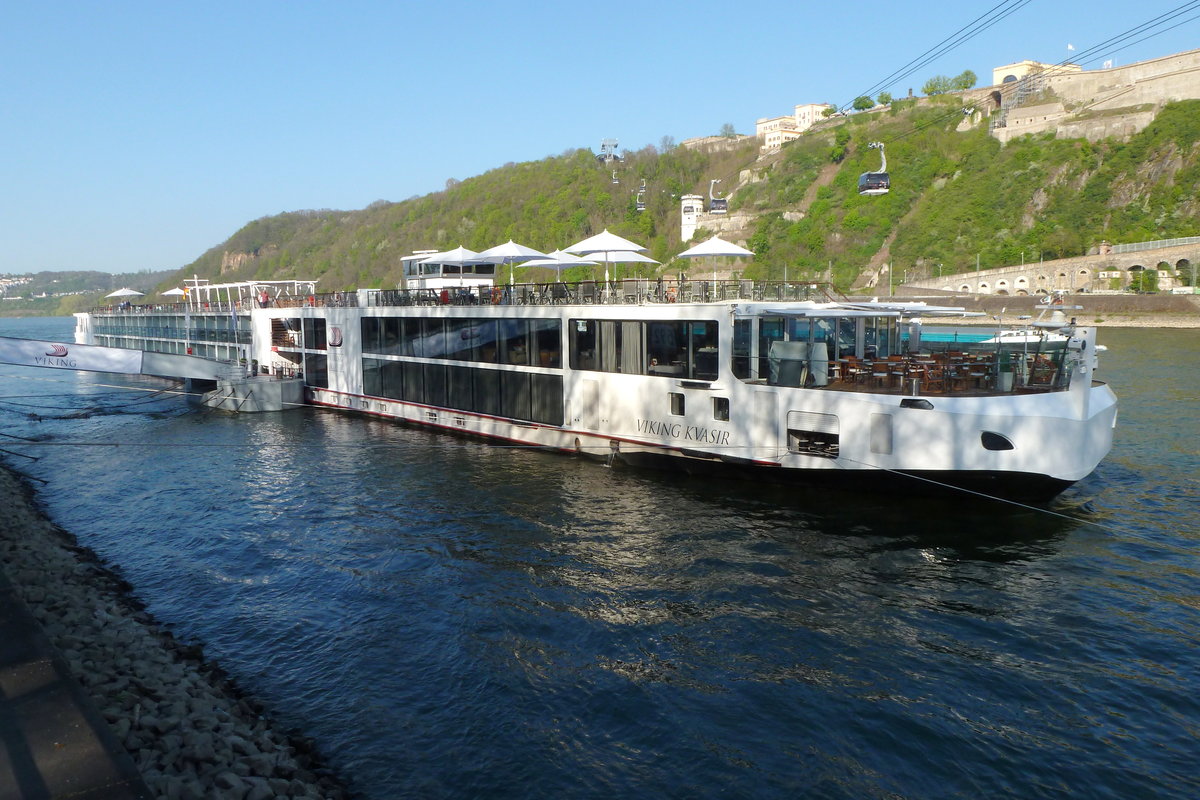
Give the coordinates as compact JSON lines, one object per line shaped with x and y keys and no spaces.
{"x":450,"y":619}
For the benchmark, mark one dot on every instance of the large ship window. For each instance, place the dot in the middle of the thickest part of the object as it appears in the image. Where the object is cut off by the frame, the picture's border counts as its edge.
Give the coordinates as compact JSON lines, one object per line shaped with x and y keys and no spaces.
{"x":316,"y":372}
{"x":485,"y":340}
{"x":314,"y":334}
{"x":411,"y":330}
{"x":514,"y":340}
{"x":547,"y":335}
{"x":461,"y":335}
{"x":583,"y":343}
{"x":770,"y":329}
{"x":369,"y":331}
{"x":742,"y":337}
{"x":678,"y":349}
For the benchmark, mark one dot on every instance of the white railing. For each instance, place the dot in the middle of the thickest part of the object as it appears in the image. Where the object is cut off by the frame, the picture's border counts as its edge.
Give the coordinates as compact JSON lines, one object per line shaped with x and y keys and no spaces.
{"x":1134,"y":247}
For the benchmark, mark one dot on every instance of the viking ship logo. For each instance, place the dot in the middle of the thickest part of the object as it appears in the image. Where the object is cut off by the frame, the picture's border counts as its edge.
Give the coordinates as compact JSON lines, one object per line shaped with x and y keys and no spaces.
{"x":335,"y":336}
{"x":57,"y":351}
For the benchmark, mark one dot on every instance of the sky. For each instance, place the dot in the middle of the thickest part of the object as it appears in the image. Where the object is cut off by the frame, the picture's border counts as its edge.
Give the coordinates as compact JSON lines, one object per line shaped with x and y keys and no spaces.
{"x":137,"y":135}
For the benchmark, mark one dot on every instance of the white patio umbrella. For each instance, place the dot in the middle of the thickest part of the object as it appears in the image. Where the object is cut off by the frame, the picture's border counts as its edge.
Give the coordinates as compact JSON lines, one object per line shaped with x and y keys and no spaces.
{"x":558,"y":261}
{"x":176,"y":292}
{"x":623,"y":257}
{"x":124,"y":293}
{"x":507,"y":253}
{"x":716,"y":247}
{"x":456,"y":257}
{"x":605,"y":242}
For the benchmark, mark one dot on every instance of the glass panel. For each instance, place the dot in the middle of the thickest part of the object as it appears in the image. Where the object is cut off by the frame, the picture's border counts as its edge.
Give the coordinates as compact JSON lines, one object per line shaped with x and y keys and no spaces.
{"x":667,"y":348}
{"x":485,"y":349}
{"x":583,"y":343}
{"x":514,"y":341}
{"x":371,"y":374}
{"x":413,"y":344}
{"x":704,"y":351}
{"x":547,"y":391}
{"x":487,"y":392}
{"x":741,"y":348}
{"x":547,"y":333}
{"x":370,"y":332}
{"x":390,"y":335}
{"x":436,"y":339}
{"x":515,"y":393}
{"x":392,"y":380}
{"x":770,"y":329}
{"x":460,"y":339}
{"x":435,"y":384}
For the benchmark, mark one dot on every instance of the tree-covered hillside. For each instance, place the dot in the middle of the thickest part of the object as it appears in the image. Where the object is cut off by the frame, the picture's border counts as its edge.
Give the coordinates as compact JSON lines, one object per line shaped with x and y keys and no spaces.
{"x":544,"y":204}
{"x":956,"y":195}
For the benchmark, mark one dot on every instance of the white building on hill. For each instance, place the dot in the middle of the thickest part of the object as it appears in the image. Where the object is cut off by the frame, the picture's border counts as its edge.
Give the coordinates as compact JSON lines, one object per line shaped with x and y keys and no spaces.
{"x":774,"y":131}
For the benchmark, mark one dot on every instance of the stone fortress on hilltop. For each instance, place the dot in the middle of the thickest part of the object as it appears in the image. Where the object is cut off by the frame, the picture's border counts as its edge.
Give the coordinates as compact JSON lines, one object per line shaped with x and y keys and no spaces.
{"x":1032,"y":97}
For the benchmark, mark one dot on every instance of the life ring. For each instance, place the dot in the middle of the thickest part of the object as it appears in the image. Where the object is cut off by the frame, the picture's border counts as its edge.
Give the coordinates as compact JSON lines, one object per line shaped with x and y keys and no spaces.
{"x":497,"y":294}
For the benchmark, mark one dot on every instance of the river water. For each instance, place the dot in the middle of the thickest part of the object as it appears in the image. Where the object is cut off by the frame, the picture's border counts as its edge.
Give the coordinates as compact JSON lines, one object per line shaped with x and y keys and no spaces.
{"x":452,"y":619}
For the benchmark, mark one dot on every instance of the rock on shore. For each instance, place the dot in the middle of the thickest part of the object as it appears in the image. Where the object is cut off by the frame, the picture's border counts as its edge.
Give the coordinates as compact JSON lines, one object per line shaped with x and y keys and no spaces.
{"x":191,"y":733}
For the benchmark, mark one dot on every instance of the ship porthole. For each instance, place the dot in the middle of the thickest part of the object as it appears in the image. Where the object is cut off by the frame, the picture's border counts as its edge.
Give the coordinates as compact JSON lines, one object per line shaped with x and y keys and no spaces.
{"x":995,"y":441}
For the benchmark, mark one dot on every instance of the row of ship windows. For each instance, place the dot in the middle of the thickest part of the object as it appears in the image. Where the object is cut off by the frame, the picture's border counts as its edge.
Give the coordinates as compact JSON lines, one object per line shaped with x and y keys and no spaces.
{"x":192,"y":334}
{"x":679,"y":348}
{"x":532,"y":397}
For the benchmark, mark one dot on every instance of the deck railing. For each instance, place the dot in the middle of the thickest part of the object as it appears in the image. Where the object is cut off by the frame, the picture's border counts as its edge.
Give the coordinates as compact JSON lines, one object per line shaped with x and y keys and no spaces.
{"x":632,"y":291}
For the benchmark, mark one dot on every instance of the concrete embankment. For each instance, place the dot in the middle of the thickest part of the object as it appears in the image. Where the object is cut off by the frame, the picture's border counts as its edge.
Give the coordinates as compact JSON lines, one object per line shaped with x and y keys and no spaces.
{"x":189,"y":731}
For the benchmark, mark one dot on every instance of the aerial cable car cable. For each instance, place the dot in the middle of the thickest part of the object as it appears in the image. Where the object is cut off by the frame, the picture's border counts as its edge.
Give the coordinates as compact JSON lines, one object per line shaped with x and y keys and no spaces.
{"x":964,"y":34}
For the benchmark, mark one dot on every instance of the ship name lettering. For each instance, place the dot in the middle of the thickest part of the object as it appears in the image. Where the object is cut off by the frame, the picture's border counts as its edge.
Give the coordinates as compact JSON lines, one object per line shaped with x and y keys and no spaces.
{"x":675,"y":430}
{"x":43,"y":361}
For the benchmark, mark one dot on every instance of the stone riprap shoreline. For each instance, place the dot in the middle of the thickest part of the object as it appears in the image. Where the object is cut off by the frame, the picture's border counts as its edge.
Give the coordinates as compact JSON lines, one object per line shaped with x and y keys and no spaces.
{"x":189,"y":730}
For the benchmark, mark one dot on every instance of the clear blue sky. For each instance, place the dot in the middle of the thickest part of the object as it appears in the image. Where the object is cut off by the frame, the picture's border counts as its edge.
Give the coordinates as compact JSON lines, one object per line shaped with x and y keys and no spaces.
{"x":136,"y":135}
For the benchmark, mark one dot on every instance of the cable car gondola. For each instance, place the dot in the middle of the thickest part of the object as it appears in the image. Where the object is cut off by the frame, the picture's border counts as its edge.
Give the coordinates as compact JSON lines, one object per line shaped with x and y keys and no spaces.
{"x":716,"y":205}
{"x":641,"y":196}
{"x":872,"y":183}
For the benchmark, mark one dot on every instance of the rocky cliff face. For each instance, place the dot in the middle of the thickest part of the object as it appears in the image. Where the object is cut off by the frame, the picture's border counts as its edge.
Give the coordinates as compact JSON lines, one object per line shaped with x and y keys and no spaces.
{"x":234,"y":262}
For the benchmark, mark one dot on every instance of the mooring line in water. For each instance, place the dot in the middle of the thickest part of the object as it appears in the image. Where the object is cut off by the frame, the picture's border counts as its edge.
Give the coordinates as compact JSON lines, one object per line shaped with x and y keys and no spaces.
{"x":987,"y":496}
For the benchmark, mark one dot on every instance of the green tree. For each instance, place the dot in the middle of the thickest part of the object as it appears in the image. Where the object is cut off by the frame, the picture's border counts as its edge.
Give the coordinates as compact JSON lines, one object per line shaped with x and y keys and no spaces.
{"x":862,"y":103}
{"x":963,"y":81}
{"x":884,"y":99}
{"x":938,"y":84}
{"x":728,"y":131}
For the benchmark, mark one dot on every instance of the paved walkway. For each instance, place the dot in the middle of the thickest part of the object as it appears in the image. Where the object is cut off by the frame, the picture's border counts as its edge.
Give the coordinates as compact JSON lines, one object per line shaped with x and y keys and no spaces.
{"x":53,"y":741}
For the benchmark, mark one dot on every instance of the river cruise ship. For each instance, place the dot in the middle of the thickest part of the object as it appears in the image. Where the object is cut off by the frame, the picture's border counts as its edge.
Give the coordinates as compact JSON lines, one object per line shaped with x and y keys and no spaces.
{"x":778,"y":380}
